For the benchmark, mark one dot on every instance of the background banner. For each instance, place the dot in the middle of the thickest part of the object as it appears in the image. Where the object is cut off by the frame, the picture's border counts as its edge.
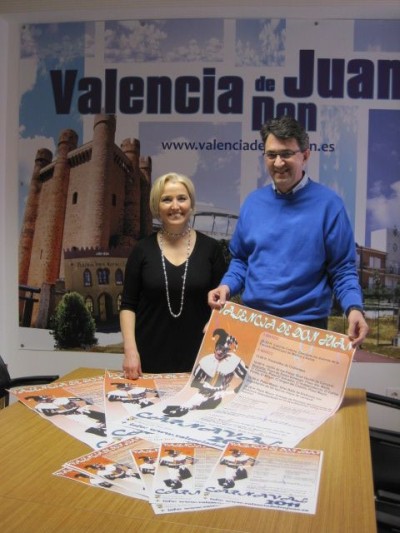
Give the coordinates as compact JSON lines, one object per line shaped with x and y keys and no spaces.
{"x":108,"y":103}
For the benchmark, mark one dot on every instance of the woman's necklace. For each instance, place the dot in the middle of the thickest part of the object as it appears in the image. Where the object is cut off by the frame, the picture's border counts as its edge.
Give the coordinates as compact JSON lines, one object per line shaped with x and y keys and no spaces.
{"x":187,"y":231}
{"x":175,"y":235}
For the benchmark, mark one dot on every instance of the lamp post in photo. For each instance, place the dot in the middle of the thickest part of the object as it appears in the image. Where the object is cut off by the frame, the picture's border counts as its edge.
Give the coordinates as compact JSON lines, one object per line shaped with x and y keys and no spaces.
{"x":377,"y":291}
{"x":396,"y":301}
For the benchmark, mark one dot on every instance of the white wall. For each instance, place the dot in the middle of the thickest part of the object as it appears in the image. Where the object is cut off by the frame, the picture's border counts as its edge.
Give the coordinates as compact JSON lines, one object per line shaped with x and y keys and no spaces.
{"x":375,"y":377}
{"x":8,"y":201}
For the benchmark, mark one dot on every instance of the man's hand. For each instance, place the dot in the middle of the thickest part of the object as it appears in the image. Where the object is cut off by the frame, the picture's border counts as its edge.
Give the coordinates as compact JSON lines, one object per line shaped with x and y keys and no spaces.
{"x":217,"y":297}
{"x":358,"y":327}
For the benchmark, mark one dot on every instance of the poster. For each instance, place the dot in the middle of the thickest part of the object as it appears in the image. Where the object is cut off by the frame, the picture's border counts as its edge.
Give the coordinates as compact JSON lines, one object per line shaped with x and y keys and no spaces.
{"x":257,"y":379}
{"x":227,"y":434}
{"x":145,"y":96}
{"x":76,"y":407}
{"x":268,"y":477}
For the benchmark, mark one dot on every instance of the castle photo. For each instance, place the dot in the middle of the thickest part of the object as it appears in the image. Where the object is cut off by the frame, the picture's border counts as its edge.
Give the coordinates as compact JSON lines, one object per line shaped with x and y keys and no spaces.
{"x":85,"y":210}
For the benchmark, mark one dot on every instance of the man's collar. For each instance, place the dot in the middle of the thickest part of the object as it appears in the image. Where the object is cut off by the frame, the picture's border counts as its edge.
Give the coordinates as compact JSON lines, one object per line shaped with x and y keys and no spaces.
{"x":302,"y":183}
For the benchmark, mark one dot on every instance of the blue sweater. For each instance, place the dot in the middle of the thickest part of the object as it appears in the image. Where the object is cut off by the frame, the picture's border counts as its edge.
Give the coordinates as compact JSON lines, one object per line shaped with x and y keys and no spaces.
{"x":290,"y":252}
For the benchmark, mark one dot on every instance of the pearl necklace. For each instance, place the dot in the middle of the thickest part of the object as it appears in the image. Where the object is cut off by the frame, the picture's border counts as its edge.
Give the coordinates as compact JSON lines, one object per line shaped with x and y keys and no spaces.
{"x":187,"y":231}
{"x":176,"y":235}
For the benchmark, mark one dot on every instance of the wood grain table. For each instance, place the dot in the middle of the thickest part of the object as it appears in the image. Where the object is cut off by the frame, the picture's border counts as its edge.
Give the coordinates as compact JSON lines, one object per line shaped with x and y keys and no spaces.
{"x":32,"y":500}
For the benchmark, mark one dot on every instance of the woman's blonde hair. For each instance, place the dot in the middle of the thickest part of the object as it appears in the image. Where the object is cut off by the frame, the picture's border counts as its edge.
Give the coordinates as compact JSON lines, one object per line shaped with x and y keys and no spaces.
{"x":158,"y":188}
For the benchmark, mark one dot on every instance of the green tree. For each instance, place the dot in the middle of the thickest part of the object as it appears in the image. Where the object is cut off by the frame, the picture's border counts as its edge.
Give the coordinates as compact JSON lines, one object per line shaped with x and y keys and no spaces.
{"x":73,"y":325}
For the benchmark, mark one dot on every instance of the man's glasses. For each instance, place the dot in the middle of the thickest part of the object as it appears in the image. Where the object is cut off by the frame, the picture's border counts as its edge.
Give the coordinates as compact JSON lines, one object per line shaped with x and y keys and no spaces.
{"x":285,"y":154}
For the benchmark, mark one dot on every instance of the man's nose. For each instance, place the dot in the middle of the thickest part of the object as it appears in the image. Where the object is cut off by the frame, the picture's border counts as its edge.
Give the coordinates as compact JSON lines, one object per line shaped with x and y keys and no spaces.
{"x":279,"y":161}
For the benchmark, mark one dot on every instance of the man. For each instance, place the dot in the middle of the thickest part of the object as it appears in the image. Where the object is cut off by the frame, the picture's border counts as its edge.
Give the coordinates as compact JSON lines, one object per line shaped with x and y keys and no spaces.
{"x":148,"y":466}
{"x":176,"y":462}
{"x":213,"y":376}
{"x":111,"y":471}
{"x":129,"y":393}
{"x":59,"y":405}
{"x":93,"y":480}
{"x":235,"y":464}
{"x":293,"y":246}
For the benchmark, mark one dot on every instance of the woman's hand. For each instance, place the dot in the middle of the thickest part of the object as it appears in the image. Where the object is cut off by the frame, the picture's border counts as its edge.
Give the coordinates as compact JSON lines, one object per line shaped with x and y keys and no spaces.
{"x":131,"y":364}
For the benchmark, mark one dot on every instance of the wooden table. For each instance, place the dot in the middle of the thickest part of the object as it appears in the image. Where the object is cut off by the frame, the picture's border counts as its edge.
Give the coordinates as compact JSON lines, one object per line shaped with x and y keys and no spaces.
{"x":32,"y":500}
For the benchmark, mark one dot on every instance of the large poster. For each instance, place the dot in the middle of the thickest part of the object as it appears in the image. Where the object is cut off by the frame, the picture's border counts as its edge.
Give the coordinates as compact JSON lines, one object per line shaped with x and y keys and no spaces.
{"x":105,"y":103}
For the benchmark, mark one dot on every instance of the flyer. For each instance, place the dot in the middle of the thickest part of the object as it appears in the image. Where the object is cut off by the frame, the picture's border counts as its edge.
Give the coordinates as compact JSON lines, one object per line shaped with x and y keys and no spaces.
{"x":114,"y":463}
{"x":226,"y":434}
{"x":76,"y":407}
{"x":181,"y":470}
{"x":270,"y":477}
{"x":124,"y":398}
{"x":89,"y":479}
{"x":258,"y":379}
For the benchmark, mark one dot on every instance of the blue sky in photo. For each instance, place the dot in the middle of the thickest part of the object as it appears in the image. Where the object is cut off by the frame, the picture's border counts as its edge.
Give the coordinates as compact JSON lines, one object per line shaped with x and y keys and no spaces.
{"x":45,"y":47}
{"x":215,"y":173}
{"x":175,"y":40}
{"x":377,"y":35}
{"x":49,"y":46}
{"x":260,"y":42}
{"x":383,"y":194}
{"x":338,"y":168}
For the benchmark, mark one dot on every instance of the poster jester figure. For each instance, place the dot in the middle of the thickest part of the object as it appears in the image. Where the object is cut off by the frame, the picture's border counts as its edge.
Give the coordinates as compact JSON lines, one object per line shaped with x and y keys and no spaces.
{"x":213,"y":376}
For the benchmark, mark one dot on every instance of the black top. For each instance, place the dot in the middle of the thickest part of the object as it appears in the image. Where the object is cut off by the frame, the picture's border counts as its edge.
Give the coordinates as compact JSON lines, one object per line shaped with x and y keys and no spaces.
{"x":165,"y":343}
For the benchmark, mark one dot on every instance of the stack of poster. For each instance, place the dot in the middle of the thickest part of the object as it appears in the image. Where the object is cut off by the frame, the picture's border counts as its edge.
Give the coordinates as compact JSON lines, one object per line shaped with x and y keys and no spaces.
{"x":178,"y":477}
{"x":224,"y":435}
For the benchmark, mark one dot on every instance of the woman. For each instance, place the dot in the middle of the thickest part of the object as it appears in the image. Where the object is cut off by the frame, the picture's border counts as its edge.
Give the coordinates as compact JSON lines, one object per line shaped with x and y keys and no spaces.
{"x":168,"y":275}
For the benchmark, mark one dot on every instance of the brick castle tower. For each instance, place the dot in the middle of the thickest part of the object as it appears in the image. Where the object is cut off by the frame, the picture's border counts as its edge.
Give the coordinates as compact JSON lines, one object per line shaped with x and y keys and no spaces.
{"x":84,"y":213}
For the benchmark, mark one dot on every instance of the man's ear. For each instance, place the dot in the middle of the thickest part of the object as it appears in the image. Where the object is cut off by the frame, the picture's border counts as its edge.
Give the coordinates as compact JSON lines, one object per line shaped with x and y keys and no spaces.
{"x":306,"y":155}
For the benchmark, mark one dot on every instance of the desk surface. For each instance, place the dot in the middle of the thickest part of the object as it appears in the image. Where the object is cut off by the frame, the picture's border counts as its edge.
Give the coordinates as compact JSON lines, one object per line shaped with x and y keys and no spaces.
{"x":33,"y":500}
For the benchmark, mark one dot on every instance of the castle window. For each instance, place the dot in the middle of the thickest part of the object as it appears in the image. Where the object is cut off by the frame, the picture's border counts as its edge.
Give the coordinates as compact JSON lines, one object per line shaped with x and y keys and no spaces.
{"x":103,"y":275}
{"x":75,"y":198}
{"x":119,"y":277}
{"x":114,"y":200}
{"x":119,"y":301}
{"x":89,"y":304}
{"x":87,"y":278}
